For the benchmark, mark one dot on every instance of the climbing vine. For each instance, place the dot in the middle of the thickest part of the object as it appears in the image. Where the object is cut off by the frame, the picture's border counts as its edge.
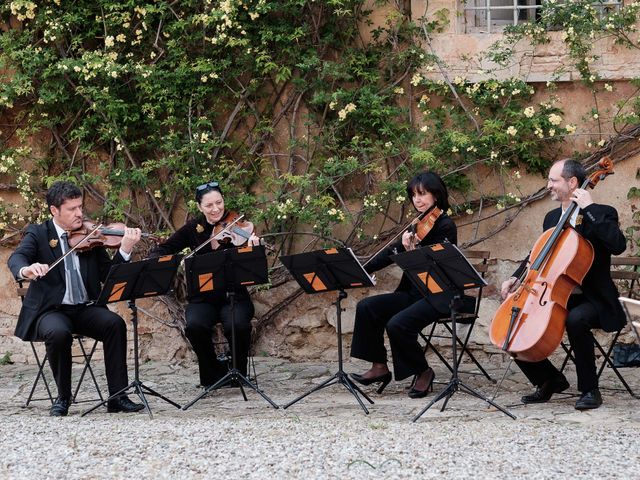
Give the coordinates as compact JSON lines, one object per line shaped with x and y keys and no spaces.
{"x":310,"y":118}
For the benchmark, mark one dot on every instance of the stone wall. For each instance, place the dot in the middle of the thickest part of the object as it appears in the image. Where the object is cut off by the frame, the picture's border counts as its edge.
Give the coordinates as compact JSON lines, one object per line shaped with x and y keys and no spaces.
{"x":456,"y":45}
{"x":306,"y":329}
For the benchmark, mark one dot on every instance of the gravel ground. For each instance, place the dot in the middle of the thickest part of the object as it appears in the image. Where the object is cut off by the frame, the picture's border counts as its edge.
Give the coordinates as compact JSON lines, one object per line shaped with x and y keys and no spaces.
{"x":324,"y":436}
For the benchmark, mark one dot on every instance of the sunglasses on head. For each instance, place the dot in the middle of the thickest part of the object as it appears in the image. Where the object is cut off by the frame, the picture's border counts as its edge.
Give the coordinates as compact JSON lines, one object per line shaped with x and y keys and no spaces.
{"x":204,"y":186}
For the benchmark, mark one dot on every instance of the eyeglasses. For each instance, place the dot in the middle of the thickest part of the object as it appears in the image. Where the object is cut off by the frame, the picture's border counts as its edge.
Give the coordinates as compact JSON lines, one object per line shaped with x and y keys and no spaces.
{"x":204,"y":186}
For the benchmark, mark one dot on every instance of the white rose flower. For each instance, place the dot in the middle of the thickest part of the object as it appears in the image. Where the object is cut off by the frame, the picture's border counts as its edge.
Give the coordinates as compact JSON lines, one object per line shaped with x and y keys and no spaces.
{"x":554,"y":119}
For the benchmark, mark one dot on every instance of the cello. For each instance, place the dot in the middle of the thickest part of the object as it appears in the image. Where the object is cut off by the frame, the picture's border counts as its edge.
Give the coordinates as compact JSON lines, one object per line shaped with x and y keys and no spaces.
{"x":530,"y":323}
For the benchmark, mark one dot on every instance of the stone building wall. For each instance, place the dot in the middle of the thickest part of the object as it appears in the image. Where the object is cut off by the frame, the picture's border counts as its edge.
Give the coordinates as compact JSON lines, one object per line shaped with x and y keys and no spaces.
{"x":306,"y":328}
{"x":460,"y":42}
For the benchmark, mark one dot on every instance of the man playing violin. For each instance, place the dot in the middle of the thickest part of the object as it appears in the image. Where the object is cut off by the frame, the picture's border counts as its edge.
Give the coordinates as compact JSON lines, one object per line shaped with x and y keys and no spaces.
{"x":594,"y":304}
{"x":205,"y":310}
{"x":57,"y":306}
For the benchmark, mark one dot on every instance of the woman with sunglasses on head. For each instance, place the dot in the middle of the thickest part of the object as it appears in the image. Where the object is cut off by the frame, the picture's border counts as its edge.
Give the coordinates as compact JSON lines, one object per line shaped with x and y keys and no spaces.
{"x":405,"y":312}
{"x":204,"y":311}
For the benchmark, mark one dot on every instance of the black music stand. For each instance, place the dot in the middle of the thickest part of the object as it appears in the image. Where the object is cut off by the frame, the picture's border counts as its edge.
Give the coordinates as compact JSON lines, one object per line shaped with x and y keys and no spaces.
{"x":443,"y":269}
{"x":225,"y":271}
{"x":325,"y":271}
{"x":130,"y":281}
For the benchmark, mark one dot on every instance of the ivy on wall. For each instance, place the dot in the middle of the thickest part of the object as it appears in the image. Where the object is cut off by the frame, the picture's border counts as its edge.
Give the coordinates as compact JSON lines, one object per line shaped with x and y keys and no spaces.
{"x":308,"y":123}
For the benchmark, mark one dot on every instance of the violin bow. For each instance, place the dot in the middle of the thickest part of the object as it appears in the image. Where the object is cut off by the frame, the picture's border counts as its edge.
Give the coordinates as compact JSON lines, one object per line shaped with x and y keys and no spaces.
{"x":395,"y":237}
{"x":212,"y":237}
{"x":71,"y":250}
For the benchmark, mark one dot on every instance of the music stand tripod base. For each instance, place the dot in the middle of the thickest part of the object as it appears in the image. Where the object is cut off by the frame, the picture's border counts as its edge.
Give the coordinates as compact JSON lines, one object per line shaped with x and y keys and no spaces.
{"x":455,"y":384}
{"x":247,"y":266}
{"x":136,"y":385}
{"x":437,"y":270}
{"x":233,"y":376}
{"x":128,"y":281}
{"x":340,"y":377}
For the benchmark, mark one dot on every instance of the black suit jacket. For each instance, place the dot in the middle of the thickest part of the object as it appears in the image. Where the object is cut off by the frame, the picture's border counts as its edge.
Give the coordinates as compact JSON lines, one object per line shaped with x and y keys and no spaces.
{"x":598,"y":224}
{"x":443,"y":229}
{"x":47,"y":292}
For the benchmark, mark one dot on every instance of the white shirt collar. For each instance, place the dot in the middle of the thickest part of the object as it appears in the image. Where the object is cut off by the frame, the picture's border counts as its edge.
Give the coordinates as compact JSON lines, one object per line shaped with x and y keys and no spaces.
{"x":59,"y":229}
{"x":574,"y":216}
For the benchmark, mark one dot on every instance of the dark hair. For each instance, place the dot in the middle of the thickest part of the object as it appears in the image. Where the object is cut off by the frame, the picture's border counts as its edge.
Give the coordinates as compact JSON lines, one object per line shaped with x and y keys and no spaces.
{"x":432,"y":183}
{"x":202,"y":190}
{"x":571,"y":168}
{"x":61,"y":191}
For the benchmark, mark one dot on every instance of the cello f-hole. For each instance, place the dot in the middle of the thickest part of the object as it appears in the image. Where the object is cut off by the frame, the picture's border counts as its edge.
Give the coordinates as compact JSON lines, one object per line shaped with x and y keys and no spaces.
{"x":541,"y":302}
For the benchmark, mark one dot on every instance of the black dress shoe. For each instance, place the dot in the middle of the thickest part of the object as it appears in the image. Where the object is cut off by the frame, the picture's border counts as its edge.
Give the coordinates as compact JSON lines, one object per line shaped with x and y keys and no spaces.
{"x":383,"y":379}
{"x":415,"y":393}
{"x":123,"y":404}
{"x":544,"y":392}
{"x":60,"y":407}
{"x":589,"y":400}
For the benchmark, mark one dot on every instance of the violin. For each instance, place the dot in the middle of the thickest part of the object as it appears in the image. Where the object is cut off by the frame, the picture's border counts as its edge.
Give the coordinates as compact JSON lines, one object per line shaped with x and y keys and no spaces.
{"x":232,"y":229}
{"x":419,"y":226}
{"x":92,"y":235}
{"x":530,"y":323}
{"x":422,"y":225}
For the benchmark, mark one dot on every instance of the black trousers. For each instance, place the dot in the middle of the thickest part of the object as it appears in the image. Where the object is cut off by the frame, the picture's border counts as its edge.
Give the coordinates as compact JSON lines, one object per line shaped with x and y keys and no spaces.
{"x":57,"y":327}
{"x":403,"y":316}
{"x":201,"y":318}
{"x":582,"y":318}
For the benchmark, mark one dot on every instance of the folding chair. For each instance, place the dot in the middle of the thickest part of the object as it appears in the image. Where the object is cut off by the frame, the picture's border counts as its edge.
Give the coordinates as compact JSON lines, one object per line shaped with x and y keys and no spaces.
{"x":480,"y":260}
{"x":626,"y":272}
{"x":631,"y":309}
{"x":86,"y":355}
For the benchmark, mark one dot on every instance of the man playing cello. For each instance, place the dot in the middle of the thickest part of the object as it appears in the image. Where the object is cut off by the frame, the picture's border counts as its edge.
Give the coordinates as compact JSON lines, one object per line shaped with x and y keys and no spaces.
{"x":593,"y":304}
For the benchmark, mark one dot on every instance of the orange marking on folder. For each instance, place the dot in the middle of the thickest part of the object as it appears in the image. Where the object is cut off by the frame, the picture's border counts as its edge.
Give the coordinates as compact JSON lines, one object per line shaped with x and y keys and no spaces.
{"x":117,"y":291}
{"x":205,"y":282}
{"x":357,"y":284}
{"x":437,"y":247}
{"x":165,"y":258}
{"x":469,"y":284}
{"x":315,"y":282}
{"x":246,"y":249}
{"x":431,"y":284}
{"x":331,"y":251}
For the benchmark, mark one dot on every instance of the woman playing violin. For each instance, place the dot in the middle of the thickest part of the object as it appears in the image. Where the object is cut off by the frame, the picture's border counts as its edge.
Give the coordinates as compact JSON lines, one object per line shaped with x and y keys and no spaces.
{"x":405,"y":312}
{"x":203,"y":312}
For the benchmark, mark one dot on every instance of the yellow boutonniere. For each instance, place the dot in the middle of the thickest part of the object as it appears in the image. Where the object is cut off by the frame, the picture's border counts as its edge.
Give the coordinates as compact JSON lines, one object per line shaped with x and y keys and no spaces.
{"x":53,"y":243}
{"x":199,"y":228}
{"x":578,"y":220}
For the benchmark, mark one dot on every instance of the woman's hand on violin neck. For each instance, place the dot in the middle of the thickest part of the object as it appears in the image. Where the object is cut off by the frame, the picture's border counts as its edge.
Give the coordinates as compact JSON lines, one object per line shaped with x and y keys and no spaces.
{"x":254,"y":240}
{"x":129,"y":239}
{"x":35,"y":270}
{"x":408,"y":241}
